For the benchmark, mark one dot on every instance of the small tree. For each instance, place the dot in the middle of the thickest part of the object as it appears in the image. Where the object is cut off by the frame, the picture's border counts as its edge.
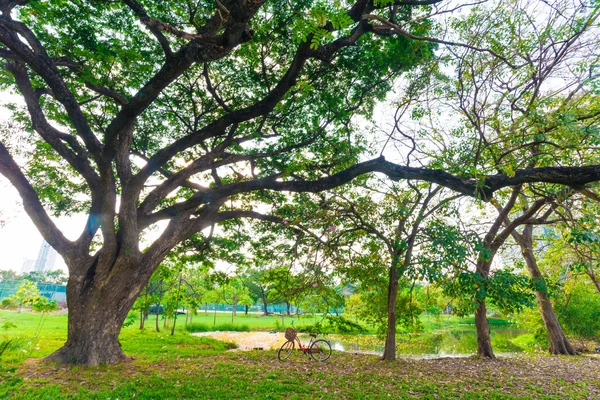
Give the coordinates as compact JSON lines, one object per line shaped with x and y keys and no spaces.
{"x":27,"y":295}
{"x":235,"y":293}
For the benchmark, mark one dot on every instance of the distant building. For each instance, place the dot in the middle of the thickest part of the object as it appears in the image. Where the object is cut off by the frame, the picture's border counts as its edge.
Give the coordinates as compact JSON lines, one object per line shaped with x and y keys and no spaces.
{"x":28,"y":266}
{"x":46,"y":258}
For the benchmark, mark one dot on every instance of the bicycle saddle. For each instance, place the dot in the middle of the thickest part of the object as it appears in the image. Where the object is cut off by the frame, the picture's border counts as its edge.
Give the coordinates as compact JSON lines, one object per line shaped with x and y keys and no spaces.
{"x":313,"y":335}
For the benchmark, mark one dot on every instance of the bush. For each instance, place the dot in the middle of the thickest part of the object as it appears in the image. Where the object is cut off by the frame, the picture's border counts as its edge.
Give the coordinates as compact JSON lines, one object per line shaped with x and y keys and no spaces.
{"x":8,"y":304}
{"x":220,"y":327}
{"x":580,"y":314}
{"x":43,"y":305}
{"x":332,"y":324}
{"x":131,"y":318}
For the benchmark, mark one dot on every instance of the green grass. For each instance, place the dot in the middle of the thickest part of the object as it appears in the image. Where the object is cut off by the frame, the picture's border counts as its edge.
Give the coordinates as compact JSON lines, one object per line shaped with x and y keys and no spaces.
{"x":255,"y":322}
{"x":436,"y":322}
{"x":196,"y":327}
{"x":189,"y":367}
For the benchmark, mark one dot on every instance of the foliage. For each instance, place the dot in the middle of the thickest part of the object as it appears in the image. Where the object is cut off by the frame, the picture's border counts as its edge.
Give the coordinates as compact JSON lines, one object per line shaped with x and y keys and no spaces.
{"x":42,"y":305}
{"x":333,"y":324}
{"x":26,"y":295}
{"x":578,"y":311}
{"x":57,"y":277}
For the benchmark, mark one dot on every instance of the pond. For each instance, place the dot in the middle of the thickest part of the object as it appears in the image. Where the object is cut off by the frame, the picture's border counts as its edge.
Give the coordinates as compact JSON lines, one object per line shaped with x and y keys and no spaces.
{"x":459,"y":341}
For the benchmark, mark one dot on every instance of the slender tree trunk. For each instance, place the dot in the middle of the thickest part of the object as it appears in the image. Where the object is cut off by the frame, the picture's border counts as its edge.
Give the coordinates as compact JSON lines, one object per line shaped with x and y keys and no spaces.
{"x":595,"y":280}
{"x":288,"y":307}
{"x":233,"y":310}
{"x":177,"y":304}
{"x":559,"y":344}
{"x":246,"y":310}
{"x":215,"y":315}
{"x":157,"y":312}
{"x":144,"y":312}
{"x":206,"y":308}
{"x":265,"y":305}
{"x":389,"y":352}
{"x":484,"y":341}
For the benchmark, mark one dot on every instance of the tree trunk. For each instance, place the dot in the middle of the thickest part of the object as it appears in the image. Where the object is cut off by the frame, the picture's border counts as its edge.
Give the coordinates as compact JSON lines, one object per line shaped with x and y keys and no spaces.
{"x":559,"y":344}
{"x":177,"y":304}
{"x":157,"y":312}
{"x":215,"y":315}
{"x":288,"y":307}
{"x":97,"y":309}
{"x":246,"y":310}
{"x":265,"y":305}
{"x":142,"y":320}
{"x":484,"y":342}
{"x":389,"y":352}
{"x":233,"y":310}
{"x":595,"y":280}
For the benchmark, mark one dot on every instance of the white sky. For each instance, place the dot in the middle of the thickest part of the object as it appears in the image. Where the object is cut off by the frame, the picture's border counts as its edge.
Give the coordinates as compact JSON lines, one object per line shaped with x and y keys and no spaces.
{"x":19,"y":238}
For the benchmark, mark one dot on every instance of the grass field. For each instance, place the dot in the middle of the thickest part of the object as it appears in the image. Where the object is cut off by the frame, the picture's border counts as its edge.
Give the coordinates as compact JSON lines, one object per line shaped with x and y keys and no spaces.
{"x":259,"y":322}
{"x":187,"y":367}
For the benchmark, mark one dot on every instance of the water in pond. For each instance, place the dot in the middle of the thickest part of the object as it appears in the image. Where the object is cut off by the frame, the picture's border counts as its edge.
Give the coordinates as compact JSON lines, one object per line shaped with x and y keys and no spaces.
{"x":458,"y":341}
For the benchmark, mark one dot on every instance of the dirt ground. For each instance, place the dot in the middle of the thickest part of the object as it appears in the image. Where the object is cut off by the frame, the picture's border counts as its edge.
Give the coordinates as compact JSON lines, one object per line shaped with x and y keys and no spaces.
{"x":249,"y":340}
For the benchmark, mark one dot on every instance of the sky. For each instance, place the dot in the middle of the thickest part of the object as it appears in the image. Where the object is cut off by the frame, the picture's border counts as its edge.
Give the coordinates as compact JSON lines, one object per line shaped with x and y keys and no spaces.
{"x":19,"y":238}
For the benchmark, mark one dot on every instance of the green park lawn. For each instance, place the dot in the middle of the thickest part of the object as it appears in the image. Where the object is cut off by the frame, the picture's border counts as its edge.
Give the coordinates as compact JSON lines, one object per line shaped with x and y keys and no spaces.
{"x":188,"y":367}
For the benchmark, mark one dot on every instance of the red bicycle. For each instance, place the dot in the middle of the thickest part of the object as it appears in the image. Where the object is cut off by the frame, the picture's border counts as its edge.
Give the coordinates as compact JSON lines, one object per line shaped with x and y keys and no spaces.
{"x":319,"y":350}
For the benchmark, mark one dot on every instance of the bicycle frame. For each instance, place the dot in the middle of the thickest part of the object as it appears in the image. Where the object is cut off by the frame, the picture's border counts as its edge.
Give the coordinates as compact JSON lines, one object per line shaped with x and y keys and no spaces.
{"x":304,"y":349}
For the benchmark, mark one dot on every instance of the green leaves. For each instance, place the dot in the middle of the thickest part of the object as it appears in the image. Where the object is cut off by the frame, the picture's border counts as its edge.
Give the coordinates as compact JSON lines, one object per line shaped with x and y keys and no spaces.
{"x":319,"y":23}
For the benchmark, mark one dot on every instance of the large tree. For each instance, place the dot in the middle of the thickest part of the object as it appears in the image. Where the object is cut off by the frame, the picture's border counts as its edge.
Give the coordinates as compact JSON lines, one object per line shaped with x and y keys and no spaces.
{"x":187,"y":113}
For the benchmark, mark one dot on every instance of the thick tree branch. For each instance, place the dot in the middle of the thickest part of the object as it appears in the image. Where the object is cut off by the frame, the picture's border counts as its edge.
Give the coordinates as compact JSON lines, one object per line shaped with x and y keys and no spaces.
{"x":155,"y":26}
{"x":77,"y":157}
{"x":197,"y":51}
{"x":205,"y":163}
{"x":470,"y":187}
{"x":33,"y":205}
{"x":45,"y":67}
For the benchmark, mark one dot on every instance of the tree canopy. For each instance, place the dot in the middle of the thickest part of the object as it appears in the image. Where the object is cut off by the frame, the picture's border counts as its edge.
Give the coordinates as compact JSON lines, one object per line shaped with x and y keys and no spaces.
{"x":193,"y":113}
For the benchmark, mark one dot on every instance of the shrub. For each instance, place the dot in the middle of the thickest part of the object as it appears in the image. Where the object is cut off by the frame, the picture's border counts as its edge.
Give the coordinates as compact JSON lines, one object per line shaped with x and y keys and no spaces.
{"x":8,"y":304}
{"x":131,"y":318}
{"x":333,"y":324}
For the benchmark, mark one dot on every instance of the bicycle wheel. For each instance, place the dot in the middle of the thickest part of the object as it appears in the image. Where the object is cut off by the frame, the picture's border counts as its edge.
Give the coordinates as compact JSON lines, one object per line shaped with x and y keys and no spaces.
{"x":320,"y":350}
{"x":285,"y":351}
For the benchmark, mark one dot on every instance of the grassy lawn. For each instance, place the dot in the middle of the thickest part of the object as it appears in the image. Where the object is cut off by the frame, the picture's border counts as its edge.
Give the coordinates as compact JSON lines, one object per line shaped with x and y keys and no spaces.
{"x":258,"y":322}
{"x":187,"y":367}
{"x":255,"y":322}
